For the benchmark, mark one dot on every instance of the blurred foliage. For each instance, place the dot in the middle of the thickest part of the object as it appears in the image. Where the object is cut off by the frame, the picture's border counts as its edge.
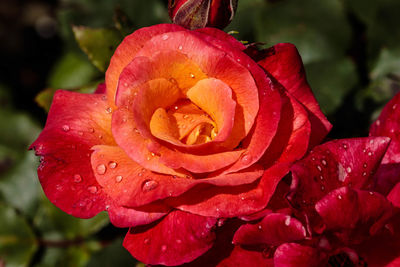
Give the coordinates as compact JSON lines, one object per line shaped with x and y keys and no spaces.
{"x":351,"y":52}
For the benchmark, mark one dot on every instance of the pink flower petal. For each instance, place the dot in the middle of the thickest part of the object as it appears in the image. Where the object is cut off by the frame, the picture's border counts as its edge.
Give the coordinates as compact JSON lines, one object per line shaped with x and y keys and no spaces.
{"x":178,"y":238}
{"x":388,"y":124}
{"x":292,"y":254}
{"x":274,"y":229}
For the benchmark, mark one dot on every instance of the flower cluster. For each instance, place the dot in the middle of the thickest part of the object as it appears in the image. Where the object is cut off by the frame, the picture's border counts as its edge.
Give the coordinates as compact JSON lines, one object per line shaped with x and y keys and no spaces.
{"x":209,"y":151}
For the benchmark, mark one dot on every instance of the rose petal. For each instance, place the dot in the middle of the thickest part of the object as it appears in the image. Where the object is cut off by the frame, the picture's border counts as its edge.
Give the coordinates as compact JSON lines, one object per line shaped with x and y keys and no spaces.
{"x":388,"y":124}
{"x":333,"y":165}
{"x":292,"y":254}
{"x":178,"y":238}
{"x":354,"y":213}
{"x":231,"y":201}
{"x":291,"y":142}
{"x":127,"y":50}
{"x":394,"y":195}
{"x":130,"y":185}
{"x":274,"y":229}
{"x":75,"y":123}
{"x":284,"y":63}
{"x":242,"y":257}
{"x":128,"y":217}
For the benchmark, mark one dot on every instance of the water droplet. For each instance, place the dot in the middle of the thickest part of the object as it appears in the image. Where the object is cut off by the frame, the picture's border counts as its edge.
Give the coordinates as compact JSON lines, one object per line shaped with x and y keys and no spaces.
{"x":339,"y":197}
{"x":313,"y":158}
{"x":365,"y":165}
{"x":100,"y":136}
{"x":378,"y":122}
{"x":126,"y":84}
{"x":165,"y":37}
{"x":176,"y":107}
{"x":163,"y":248}
{"x":112,"y":165}
{"x":178,"y":241}
{"x":364,"y":174}
{"x":344,"y":146}
{"x":77,"y":178}
{"x":238,"y":60}
{"x":348,"y":169}
{"x":118,"y":178}
{"x":192,"y":75}
{"x":92,"y":189}
{"x":107,"y":207}
{"x":146,"y":241}
{"x":91,"y":130}
{"x":287,"y":221}
{"x":323,"y":162}
{"x":371,"y":141}
{"x":394,"y":106}
{"x":370,"y":153}
{"x":185,"y":116}
{"x":101,"y":169}
{"x":108,"y":110}
{"x":319,"y":168}
{"x":246,"y":158}
{"x":260,"y":227}
{"x":322,"y":188}
{"x":180,"y":47}
{"x":80,"y":133}
{"x":65,"y":128}
{"x":371,"y":193}
{"x":149,"y":185}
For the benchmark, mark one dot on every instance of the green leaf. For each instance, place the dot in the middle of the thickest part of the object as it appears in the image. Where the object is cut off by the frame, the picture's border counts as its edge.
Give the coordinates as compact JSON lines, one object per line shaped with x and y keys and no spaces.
{"x":331,"y":81}
{"x":19,"y":186}
{"x":98,"y":44}
{"x":72,"y":71}
{"x":319,"y":29}
{"x":45,"y":97}
{"x":112,"y":255}
{"x":18,"y":130}
{"x":54,"y":224}
{"x":17,"y":241}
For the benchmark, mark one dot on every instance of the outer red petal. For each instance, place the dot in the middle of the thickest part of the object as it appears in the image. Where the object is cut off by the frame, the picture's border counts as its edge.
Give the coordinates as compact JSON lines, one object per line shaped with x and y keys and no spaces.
{"x":274,"y":229}
{"x":129,"y":184}
{"x":232,"y":201}
{"x":75,"y":123}
{"x":388,"y":124}
{"x":128,"y":217}
{"x":284,"y":63}
{"x":333,"y":165}
{"x":243,"y":257}
{"x":178,"y":238}
{"x":292,"y":254}
{"x":394,"y":195}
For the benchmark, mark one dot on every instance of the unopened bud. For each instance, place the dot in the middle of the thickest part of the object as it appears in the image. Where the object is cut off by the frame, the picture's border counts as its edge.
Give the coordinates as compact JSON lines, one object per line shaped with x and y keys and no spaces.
{"x":194,"y":14}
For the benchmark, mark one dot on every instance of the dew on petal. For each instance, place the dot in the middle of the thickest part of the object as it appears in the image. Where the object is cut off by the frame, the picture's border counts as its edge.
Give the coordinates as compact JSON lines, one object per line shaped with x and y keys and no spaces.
{"x":112,"y":165}
{"x":260,"y":227}
{"x":163,"y":248}
{"x":149,"y":185}
{"x":65,"y":128}
{"x":146,"y":241}
{"x":165,"y":37}
{"x":91,"y":130}
{"x":101,"y":169}
{"x":287,"y":221}
{"x":246,"y":158}
{"x":80,"y":133}
{"x":108,"y":110}
{"x":192,"y":75}
{"x":118,"y":178}
{"x":348,"y":169}
{"x":344,"y":146}
{"x":92,"y":189}
{"x":323,"y":162}
{"x":180,"y":47}
{"x":365,"y":165}
{"x":322,"y":188}
{"x":77,"y":178}
{"x":339,"y":197}
{"x":319,"y":168}
{"x":178,"y":241}
{"x":364,"y":174}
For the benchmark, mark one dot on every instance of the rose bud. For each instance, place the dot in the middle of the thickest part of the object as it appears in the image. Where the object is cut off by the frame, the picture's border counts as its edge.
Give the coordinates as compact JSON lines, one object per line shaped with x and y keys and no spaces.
{"x":194,"y":14}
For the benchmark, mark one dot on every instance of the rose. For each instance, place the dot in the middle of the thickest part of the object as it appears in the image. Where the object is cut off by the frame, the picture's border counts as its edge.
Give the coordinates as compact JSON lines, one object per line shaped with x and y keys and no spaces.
{"x":344,"y":199}
{"x":189,"y":129}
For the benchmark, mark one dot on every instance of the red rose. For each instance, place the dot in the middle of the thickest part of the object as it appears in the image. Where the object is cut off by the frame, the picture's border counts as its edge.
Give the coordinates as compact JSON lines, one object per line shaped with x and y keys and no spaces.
{"x":190,"y":129}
